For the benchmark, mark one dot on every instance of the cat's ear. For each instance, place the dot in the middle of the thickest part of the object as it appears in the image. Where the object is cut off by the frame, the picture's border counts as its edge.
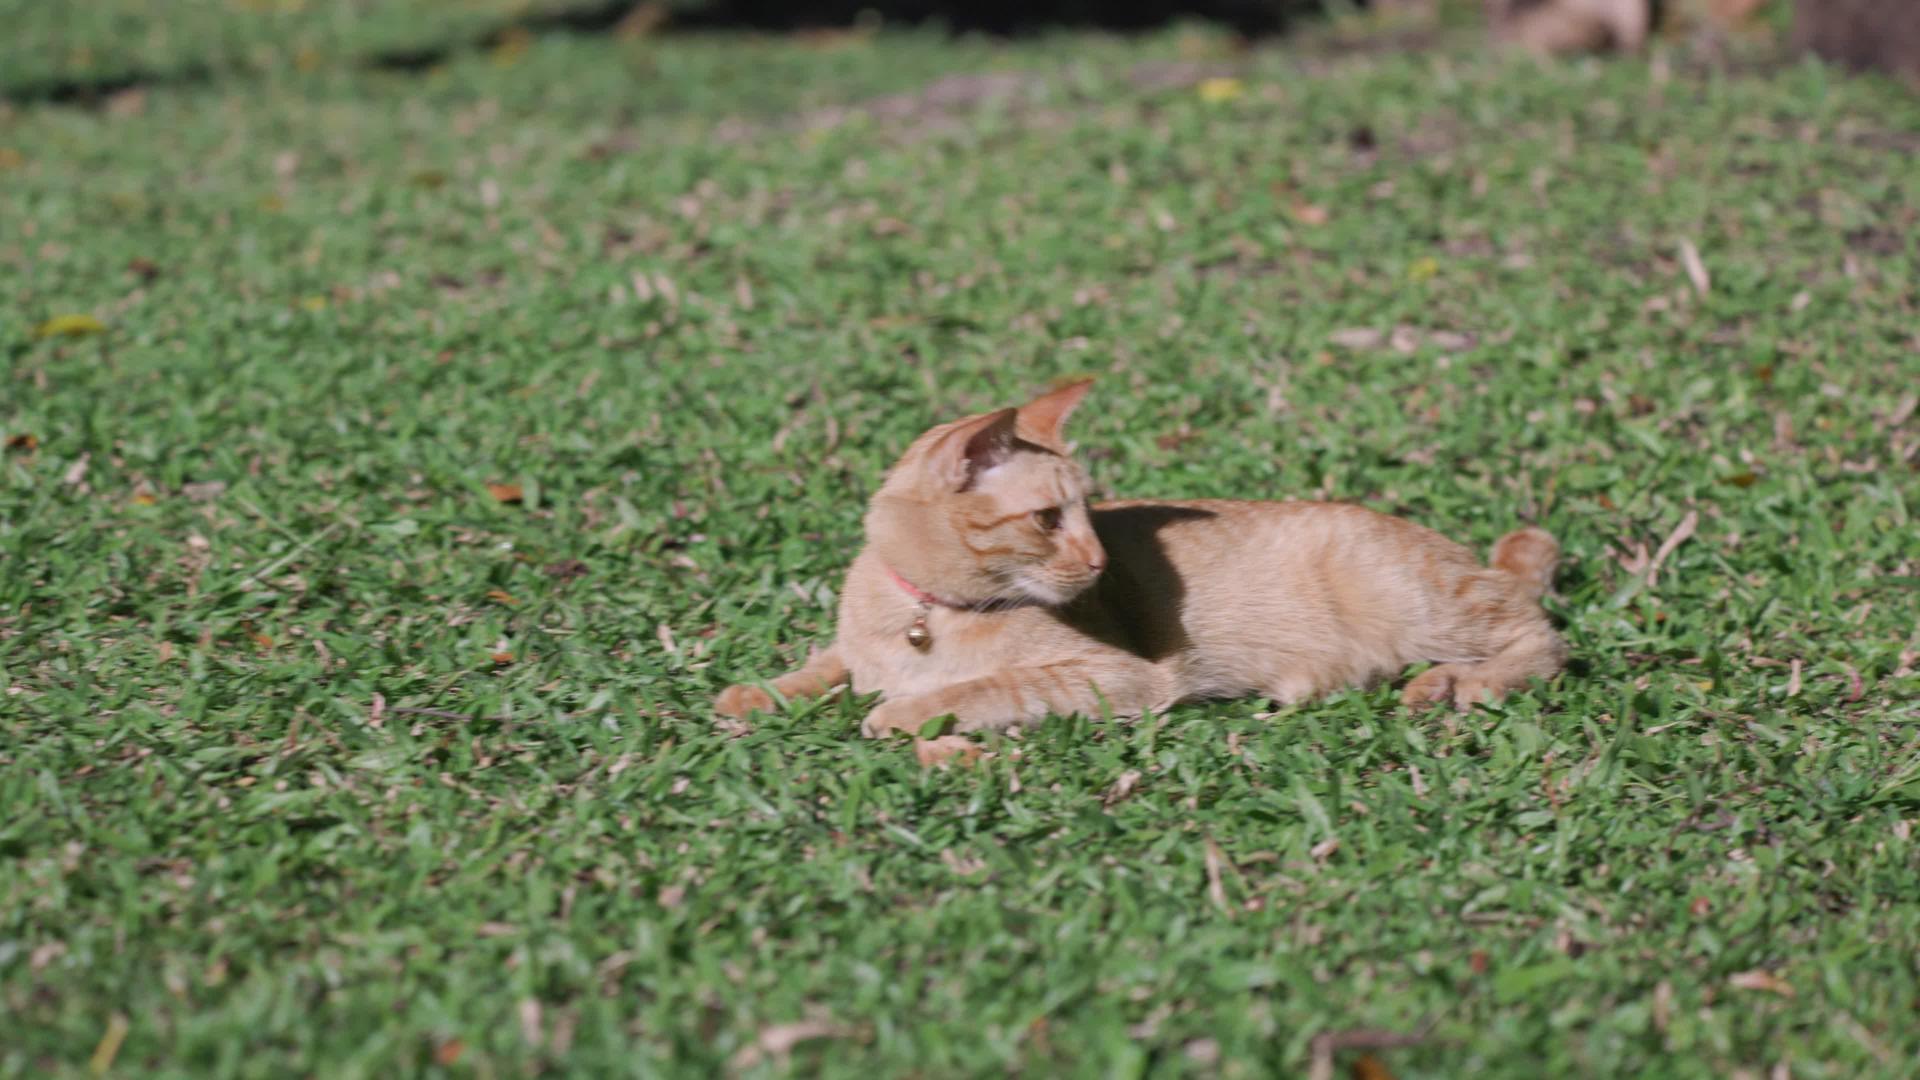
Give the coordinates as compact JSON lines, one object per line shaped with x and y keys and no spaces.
{"x":976,"y":446}
{"x":1044,"y":419}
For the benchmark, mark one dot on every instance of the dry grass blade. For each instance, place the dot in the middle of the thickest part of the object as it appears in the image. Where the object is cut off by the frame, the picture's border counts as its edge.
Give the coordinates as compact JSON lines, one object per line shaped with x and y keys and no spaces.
{"x":1759,"y":979}
{"x":1696,"y":269}
{"x":1216,"y":889}
{"x":1674,"y":539}
{"x":1903,"y":411}
{"x":109,"y":1046}
{"x":778,"y":1040}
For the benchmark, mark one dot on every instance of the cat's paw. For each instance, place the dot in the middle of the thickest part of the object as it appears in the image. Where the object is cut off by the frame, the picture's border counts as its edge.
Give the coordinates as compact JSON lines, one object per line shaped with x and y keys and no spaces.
{"x":947,"y":750}
{"x":1431,"y":687}
{"x":892,"y":717}
{"x":739,"y":700}
{"x":1470,"y":690}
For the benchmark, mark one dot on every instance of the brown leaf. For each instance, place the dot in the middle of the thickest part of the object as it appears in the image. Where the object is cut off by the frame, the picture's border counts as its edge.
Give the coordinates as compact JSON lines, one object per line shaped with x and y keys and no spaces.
{"x":1904,"y":410}
{"x":778,"y":1040}
{"x":1763,"y":980}
{"x":447,"y":1053}
{"x":566,"y":569}
{"x":1328,"y":1043}
{"x":1701,"y":907}
{"x":964,"y":865}
{"x":1359,"y":337}
{"x":1477,"y":961}
{"x":1307,"y":213}
{"x":1122,"y":787}
{"x":1740,"y":480}
{"x":1368,"y":1067}
{"x":144,"y":269}
{"x":506,"y":493}
{"x":1855,"y":687}
{"x":1633,"y":558}
{"x":23,"y":443}
{"x":502,"y":596}
{"x":45,"y":954}
{"x":502,"y":658}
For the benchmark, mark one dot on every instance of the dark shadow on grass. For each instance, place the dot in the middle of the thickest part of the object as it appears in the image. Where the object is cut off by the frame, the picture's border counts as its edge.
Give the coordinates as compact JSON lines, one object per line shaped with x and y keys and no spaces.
{"x":93,"y":91}
{"x":1003,"y":18}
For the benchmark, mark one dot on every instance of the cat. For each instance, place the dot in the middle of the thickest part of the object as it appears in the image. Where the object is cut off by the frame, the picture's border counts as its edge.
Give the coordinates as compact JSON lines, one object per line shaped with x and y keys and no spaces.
{"x":1572,"y":26}
{"x":991,"y":591}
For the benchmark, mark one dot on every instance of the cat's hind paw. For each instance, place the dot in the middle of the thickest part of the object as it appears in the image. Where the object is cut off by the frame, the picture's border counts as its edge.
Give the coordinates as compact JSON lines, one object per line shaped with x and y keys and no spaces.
{"x":739,"y":700}
{"x":1465,"y":685}
{"x":1431,"y":687}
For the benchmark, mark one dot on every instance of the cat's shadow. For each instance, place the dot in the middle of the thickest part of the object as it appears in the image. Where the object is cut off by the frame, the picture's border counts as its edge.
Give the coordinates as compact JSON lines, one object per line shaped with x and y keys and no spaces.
{"x":1140,"y":599}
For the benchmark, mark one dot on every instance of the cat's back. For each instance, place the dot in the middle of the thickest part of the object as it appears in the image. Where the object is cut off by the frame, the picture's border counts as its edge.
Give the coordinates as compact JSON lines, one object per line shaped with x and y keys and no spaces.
{"x":1209,"y":534}
{"x":1242,"y":593}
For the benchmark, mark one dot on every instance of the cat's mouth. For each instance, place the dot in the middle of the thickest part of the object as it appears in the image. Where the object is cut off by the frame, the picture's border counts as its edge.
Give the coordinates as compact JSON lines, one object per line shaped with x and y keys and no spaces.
{"x":1051,"y":591}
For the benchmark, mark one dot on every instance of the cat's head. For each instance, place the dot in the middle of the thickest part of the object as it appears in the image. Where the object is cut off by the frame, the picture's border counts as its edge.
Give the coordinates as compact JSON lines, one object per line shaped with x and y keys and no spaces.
{"x":991,"y":508}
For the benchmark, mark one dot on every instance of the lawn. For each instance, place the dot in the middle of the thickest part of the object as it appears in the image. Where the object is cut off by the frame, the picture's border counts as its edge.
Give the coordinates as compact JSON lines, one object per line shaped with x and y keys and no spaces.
{"x":397,"y":462}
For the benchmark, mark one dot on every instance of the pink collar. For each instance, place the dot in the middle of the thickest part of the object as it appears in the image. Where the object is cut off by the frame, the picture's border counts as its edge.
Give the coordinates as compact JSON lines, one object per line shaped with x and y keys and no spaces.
{"x":919,"y":593}
{"x":923,"y":596}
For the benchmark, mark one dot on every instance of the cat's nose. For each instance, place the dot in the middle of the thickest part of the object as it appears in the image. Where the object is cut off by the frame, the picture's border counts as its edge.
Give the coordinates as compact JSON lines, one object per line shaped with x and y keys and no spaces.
{"x":1096,"y":560}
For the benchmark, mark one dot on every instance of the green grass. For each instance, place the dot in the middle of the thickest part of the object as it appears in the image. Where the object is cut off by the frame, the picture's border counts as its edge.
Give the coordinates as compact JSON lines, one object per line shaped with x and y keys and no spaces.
{"x":356,"y":299}
{"x":52,"y":42}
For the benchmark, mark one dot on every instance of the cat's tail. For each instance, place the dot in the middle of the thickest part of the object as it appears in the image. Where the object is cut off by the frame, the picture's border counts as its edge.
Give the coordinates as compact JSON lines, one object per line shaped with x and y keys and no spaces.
{"x":1528,"y":554}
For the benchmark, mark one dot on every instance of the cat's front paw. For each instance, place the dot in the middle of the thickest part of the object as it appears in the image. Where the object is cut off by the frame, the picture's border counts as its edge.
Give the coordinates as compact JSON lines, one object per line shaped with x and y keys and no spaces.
{"x":892,"y":717}
{"x":739,"y":700}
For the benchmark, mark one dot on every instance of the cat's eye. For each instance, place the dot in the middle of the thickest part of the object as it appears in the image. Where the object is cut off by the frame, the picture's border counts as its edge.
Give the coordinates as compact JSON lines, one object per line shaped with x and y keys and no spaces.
{"x":1048,"y":519}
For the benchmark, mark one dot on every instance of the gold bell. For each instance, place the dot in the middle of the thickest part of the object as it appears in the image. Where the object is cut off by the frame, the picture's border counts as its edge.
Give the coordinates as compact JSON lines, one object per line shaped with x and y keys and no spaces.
{"x":918,"y":635}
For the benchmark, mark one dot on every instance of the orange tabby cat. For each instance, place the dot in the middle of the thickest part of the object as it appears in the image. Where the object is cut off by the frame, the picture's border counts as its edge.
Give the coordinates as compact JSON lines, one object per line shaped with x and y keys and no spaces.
{"x":990,"y":590}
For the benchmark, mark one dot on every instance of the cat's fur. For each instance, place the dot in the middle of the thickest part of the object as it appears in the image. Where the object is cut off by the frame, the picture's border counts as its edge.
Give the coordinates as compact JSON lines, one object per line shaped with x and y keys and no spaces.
{"x":1133,"y":606}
